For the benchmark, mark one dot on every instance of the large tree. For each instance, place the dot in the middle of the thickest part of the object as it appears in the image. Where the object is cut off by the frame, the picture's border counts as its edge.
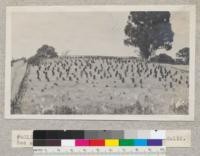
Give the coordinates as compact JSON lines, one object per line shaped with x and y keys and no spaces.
{"x":149,"y":31}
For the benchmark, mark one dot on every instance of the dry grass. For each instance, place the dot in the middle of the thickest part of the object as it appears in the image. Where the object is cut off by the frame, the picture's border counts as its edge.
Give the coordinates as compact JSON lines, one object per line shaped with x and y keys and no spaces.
{"x":99,"y":85}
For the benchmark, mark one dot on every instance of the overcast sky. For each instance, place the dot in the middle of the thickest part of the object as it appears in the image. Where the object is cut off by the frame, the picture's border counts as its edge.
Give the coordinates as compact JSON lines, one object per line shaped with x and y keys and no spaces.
{"x":97,"y":33}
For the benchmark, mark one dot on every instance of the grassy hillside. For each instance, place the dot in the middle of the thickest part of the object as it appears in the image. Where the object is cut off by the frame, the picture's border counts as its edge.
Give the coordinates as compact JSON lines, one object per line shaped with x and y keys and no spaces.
{"x":18,"y":70}
{"x":104,"y":85}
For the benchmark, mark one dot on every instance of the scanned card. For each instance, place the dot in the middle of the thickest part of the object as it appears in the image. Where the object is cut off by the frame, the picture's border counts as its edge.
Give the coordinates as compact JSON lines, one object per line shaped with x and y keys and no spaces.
{"x":100,"y":62}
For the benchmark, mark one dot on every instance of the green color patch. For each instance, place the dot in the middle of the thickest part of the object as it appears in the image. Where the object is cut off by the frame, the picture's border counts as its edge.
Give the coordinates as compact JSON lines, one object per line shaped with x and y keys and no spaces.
{"x":126,"y":142}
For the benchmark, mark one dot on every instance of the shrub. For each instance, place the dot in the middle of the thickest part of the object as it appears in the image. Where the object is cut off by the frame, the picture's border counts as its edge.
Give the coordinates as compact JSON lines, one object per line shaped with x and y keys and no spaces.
{"x":163,"y":58}
{"x":63,"y":110}
{"x":43,"y":52}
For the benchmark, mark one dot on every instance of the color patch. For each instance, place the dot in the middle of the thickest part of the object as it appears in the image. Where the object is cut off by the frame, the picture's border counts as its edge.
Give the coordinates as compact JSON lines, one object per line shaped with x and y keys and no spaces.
{"x":154,"y":142}
{"x":126,"y":142}
{"x":130,"y":134}
{"x":39,"y":142}
{"x":54,"y":134}
{"x":82,"y":142}
{"x":53,"y":142}
{"x":58,"y":134}
{"x":99,"y":142}
{"x":143,"y":134}
{"x":68,"y":143}
{"x":158,"y":134}
{"x":73,"y":134}
{"x":91,"y":134}
{"x":111,"y":142}
{"x":103,"y":134}
{"x":39,"y":134}
{"x":140,"y":142}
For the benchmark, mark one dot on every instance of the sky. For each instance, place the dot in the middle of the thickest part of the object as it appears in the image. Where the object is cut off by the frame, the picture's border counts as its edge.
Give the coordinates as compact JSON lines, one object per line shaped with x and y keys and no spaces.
{"x":83,"y":33}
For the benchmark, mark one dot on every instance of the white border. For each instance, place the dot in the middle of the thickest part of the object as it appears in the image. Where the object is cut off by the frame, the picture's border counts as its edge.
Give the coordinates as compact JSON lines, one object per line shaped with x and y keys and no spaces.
{"x":111,"y":8}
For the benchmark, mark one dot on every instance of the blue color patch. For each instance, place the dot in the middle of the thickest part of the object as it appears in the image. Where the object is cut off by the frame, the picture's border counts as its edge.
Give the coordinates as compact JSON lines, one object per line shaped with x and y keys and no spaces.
{"x":140,"y":142}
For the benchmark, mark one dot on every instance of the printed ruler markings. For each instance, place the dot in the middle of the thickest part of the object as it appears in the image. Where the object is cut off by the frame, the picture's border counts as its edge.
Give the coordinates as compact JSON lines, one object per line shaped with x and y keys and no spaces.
{"x":150,"y":151}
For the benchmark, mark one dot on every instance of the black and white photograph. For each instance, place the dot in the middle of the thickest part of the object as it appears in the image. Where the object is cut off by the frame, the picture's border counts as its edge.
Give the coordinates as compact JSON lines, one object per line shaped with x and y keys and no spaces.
{"x":100,"y":62}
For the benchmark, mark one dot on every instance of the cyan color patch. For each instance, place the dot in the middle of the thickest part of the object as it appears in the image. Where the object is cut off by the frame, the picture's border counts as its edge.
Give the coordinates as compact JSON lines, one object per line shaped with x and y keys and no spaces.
{"x":140,"y":142}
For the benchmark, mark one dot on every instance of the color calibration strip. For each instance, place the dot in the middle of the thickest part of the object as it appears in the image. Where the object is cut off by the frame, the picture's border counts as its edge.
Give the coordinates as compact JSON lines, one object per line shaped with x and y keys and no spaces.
{"x":74,"y":138}
{"x":98,"y":142}
{"x":170,"y":138}
{"x":98,"y":134}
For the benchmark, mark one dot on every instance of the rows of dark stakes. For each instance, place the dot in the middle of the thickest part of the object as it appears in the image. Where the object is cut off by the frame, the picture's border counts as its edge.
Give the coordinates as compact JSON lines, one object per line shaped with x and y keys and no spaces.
{"x":109,"y":69}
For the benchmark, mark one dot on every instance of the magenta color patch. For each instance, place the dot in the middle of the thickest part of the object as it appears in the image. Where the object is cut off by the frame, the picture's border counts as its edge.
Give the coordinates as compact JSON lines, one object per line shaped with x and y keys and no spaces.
{"x":82,"y":142}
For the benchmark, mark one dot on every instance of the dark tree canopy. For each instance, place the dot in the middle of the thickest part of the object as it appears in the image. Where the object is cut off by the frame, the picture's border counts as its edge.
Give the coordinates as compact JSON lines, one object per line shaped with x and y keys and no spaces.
{"x":46,"y":51}
{"x":43,"y":52}
{"x":185,"y":54}
{"x":149,"y":31}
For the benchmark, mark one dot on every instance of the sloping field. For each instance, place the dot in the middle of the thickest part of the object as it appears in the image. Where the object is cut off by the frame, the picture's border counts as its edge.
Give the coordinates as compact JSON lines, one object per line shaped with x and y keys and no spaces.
{"x":104,"y":85}
{"x":17,"y":71}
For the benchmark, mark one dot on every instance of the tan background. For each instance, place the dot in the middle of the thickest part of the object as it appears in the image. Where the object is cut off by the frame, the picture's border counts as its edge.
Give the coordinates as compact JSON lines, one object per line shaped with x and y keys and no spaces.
{"x":8,"y":125}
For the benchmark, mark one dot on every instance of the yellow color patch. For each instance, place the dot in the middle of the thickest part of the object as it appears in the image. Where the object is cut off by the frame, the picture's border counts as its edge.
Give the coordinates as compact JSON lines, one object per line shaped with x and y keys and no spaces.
{"x":111,"y":142}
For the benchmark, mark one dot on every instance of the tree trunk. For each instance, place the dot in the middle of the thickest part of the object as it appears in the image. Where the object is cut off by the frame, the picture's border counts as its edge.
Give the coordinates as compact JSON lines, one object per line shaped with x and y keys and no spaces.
{"x":145,"y":53}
